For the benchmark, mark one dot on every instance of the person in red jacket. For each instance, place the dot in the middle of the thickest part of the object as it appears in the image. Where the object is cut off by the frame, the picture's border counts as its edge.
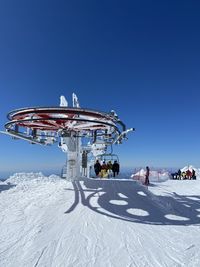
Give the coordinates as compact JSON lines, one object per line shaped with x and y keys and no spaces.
{"x":188,"y":174}
{"x":147,"y":176}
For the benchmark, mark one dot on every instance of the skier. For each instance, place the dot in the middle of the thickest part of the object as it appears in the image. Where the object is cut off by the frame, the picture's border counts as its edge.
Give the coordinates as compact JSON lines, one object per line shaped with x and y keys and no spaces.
{"x":147,"y":176}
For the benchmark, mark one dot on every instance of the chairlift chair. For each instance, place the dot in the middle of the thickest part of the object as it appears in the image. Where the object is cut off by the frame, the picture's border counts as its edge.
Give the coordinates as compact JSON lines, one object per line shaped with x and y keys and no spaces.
{"x":109,"y":157}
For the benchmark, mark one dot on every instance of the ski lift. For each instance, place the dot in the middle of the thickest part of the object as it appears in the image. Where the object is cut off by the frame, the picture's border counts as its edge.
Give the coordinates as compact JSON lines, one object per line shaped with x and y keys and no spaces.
{"x":69,"y":126}
{"x":109,"y":157}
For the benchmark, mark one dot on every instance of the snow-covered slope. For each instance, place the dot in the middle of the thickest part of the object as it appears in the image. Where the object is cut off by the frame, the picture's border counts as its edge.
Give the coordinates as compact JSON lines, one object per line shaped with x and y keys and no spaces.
{"x":47,"y":221}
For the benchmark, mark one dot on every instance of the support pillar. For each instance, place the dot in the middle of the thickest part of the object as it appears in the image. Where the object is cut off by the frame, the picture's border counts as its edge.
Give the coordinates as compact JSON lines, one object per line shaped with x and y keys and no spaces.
{"x":71,"y":145}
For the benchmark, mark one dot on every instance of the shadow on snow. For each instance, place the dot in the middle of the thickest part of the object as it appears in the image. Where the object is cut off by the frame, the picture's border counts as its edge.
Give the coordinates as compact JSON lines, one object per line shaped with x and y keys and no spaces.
{"x":4,"y":187}
{"x":129,"y":201}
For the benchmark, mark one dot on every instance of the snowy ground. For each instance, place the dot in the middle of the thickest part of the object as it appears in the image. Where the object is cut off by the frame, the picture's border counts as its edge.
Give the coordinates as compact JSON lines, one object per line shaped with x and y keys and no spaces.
{"x":47,"y":221}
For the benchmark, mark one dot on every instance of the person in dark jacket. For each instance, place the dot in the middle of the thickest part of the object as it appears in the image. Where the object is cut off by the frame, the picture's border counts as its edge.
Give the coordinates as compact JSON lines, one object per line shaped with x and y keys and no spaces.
{"x":115,"y":168}
{"x":179,"y":174}
{"x":97,"y":168}
{"x":193,"y":175}
{"x":147,"y":176}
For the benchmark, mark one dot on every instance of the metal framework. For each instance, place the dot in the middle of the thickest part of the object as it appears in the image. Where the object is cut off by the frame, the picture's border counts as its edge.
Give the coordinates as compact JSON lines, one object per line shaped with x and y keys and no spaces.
{"x":68,"y":126}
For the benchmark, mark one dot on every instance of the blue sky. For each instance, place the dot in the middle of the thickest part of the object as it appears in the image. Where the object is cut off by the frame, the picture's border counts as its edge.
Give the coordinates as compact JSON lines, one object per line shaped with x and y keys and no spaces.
{"x":140,"y":58}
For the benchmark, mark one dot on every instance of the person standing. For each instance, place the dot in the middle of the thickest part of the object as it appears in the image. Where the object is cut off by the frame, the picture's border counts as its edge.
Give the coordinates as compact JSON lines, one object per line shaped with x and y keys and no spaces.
{"x":147,"y":176}
{"x":188,"y":174}
{"x":104,"y":169}
{"x":115,"y":168}
{"x":97,"y":168}
{"x":109,"y":168}
{"x":193,"y":175}
{"x":179,"y":174}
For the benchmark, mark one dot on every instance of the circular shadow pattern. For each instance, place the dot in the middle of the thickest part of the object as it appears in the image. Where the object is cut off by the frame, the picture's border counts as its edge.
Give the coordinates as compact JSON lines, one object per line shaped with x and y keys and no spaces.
{"x":174,"y":217}
{"x":141,"y":193}
{"x":118,"y":202}
{"x":138,"y":212}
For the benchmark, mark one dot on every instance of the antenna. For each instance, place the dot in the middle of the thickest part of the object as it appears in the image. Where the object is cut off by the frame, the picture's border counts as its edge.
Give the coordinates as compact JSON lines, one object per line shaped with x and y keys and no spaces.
{"x":75,"y":101}
{"x":63,"y":101}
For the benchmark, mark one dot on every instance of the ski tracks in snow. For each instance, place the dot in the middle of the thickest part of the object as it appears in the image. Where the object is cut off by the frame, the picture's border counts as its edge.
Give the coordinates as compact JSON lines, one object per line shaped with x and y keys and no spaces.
{"x":91,"y":223}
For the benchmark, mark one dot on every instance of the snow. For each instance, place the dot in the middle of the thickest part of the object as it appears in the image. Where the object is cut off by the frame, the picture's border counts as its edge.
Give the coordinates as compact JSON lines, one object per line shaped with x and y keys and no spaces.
{"x":47,"y":221}
{"x":155,"y":176}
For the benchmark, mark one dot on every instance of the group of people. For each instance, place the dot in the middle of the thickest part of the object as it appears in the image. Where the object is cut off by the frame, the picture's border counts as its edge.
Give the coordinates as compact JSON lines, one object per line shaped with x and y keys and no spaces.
{"x":182,"y":175}
{"x":106,"y":170}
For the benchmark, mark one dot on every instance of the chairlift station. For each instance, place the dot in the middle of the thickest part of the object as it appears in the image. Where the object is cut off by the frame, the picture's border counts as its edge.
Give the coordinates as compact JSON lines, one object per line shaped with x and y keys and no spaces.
{"x":83,"y":134}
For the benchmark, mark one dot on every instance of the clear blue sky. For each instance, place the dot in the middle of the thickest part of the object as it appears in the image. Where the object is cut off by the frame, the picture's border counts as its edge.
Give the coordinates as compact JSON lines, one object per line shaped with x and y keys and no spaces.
{"x":141,"y":58}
